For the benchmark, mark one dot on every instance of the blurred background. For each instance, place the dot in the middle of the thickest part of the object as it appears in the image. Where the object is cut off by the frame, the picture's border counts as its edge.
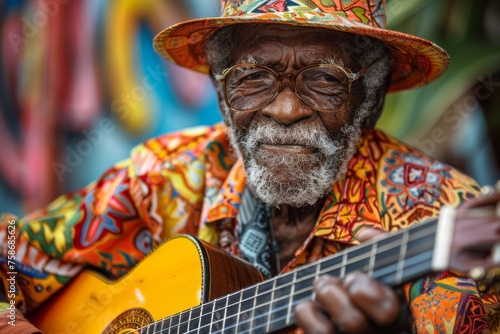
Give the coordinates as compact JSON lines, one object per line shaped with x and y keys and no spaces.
{"x":80,"y":85}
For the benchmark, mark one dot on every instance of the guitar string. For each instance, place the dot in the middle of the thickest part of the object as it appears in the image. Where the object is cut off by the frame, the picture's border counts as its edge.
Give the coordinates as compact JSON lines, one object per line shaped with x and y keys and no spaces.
{"x":238,"y":326}
{"x":415,"y":237}
{"x":416,"y":251}
{"x":263,"y":316}
{"x":424,"y":232}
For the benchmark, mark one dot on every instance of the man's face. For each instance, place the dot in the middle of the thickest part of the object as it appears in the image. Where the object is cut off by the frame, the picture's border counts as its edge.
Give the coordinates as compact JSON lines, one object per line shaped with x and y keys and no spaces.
{"x":292,"y":153}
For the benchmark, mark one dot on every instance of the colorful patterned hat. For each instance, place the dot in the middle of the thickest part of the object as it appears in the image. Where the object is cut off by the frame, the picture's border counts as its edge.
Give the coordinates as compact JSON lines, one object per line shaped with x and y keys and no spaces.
{"x":416,"y":61}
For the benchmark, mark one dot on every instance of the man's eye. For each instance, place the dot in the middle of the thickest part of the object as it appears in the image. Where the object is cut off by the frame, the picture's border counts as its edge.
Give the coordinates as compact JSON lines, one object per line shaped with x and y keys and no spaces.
{"x":254,"y":76}
{"x":329,"y":78}
{"x":324,"y":78}
{"x":253,"y":80}
{"x":321,"y":76}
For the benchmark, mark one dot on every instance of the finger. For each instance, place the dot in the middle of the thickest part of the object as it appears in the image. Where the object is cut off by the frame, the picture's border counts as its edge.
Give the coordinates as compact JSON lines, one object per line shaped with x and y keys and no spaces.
{"x":378,"y":302}
{"x":335,"y":301}
{"x":475,"y":243}
{"x":311,"y":319}
{"x":492,"y":199}
{"x":479,"y":231}
{"x":368,"y":233}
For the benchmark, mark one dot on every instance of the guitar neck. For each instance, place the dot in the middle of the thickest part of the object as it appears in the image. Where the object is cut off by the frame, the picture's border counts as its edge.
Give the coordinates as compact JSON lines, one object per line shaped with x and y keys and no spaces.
{"x":269,"y":306}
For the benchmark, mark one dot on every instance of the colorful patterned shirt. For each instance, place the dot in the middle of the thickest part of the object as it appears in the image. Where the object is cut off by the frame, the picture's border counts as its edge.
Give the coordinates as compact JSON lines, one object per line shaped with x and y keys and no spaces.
{"x":190,"y":182}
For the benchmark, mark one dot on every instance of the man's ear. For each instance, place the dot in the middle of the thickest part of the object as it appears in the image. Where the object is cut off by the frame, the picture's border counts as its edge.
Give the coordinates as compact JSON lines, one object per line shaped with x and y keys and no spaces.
{"x":372,"y":119}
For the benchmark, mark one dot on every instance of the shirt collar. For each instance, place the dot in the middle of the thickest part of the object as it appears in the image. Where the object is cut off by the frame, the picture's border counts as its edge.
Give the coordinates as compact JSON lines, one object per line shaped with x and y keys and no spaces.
{"x":350,"y":205}
{"x":228,"y":200}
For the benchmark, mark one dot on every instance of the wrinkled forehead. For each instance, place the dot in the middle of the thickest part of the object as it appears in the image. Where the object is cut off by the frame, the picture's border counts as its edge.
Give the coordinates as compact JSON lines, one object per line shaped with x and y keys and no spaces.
{"x":254,"y":38}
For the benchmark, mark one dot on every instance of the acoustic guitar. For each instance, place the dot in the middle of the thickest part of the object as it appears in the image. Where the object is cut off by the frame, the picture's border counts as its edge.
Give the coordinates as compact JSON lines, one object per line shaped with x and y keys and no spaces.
{"x":188,"y":286}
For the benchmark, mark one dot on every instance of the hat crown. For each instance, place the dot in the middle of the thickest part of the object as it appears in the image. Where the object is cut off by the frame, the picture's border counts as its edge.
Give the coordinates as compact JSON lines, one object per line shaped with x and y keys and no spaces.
{"x":415,"y":61}
{"x":370,"y":12}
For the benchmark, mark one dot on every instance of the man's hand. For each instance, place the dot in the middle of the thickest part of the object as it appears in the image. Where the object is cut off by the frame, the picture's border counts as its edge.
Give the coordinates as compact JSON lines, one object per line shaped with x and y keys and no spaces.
{"x":476,"y":238}
{"x":22,"y":326}
{"x":358,"y":305}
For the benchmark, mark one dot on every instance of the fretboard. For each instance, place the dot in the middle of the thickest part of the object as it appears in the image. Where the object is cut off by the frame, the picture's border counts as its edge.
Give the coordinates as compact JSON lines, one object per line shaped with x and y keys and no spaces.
{"x":269,"y":306}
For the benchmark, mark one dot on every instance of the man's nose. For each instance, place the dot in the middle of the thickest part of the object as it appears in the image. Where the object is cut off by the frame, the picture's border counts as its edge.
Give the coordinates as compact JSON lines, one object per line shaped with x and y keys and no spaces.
{"x":287,"y":108}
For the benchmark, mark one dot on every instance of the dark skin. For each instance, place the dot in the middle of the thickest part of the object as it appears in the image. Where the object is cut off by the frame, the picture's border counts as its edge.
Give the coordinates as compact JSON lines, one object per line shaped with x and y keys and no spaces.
{"x":359,"y":304}
{"x":291,"y":225}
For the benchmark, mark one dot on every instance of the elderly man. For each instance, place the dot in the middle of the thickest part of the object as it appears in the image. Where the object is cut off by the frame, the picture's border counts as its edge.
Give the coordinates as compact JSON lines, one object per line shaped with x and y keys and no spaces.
{"x":296,"y":173}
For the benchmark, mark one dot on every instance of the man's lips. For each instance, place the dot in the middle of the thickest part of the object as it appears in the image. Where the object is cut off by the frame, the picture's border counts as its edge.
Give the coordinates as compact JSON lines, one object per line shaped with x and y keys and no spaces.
{"x":288,"y":149}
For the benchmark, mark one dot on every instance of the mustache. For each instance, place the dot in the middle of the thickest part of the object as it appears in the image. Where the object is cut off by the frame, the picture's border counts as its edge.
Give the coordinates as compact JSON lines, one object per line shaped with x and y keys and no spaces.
{"x":297,"y":134}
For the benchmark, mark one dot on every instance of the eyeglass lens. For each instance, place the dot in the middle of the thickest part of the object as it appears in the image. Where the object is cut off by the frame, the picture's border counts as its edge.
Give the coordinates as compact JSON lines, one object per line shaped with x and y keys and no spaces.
{"x":253,"y":87}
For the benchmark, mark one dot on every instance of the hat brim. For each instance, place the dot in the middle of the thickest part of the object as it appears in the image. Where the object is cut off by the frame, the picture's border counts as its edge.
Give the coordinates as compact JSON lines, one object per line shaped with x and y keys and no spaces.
{"x":416,"y":61}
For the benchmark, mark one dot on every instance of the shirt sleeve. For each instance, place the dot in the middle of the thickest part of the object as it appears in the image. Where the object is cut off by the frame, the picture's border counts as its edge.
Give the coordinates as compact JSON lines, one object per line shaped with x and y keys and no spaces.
{"x":112,"y":223}
{"x":412,"y":188}
{"x":102,"y":227}
{"x":448,"y":302}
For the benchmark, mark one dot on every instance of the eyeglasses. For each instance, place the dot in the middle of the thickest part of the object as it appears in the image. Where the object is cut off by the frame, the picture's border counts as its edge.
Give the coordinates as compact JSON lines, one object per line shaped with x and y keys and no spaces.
{"x":324,"y":87}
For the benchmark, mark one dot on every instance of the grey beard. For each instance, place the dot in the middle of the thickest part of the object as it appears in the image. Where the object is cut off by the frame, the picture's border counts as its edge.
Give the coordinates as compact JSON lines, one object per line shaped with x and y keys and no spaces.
{"x":313,"y":174}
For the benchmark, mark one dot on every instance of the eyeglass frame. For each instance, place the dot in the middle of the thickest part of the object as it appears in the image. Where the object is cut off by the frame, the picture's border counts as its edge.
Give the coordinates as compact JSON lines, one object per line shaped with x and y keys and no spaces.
{"x":292,"y":77}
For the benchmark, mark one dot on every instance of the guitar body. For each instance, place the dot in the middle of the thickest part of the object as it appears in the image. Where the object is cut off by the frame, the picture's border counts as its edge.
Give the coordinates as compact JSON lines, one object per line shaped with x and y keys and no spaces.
{"x":181,"y":273}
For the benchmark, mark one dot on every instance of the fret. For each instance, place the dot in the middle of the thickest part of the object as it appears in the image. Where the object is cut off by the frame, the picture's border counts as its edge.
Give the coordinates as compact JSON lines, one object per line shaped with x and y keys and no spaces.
{"x":218,"y":315}
{"x":232,"y":312}
{"x":155,"y":328}
{"x":174,"y":324}
{"x":225,"y":313}
{"x":302,"y":295}
{"x":143,"y":330}
{"x":289,"y":311}
{"x":282,"y":292}
{"x":206,"y":317}
{"x":251,"y":317}
{"x":316,"y":274}
{"x":165,"y":324}
{"x":386,"y":259}
{"x":304,"y":280}
{"x":342,"y":267}
{"x":268,"y":325}
{"x":371,"y":263}
{"x":415,"y":250}
{"x":184,"y":322}
{"x":357,"y":260}
{"x":402,"y":256}
{"x":225,"y":328}
{"x":331,"y":266}
{"x":239,"y":308}
{"x":194,"y":321}
{"x":161,"y":325}
{"x":420,"y":250}
{"x":261,"y":309}
{"x":158,"y":327}
{"x":305,"y":277}
{"x":246,"y":308}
